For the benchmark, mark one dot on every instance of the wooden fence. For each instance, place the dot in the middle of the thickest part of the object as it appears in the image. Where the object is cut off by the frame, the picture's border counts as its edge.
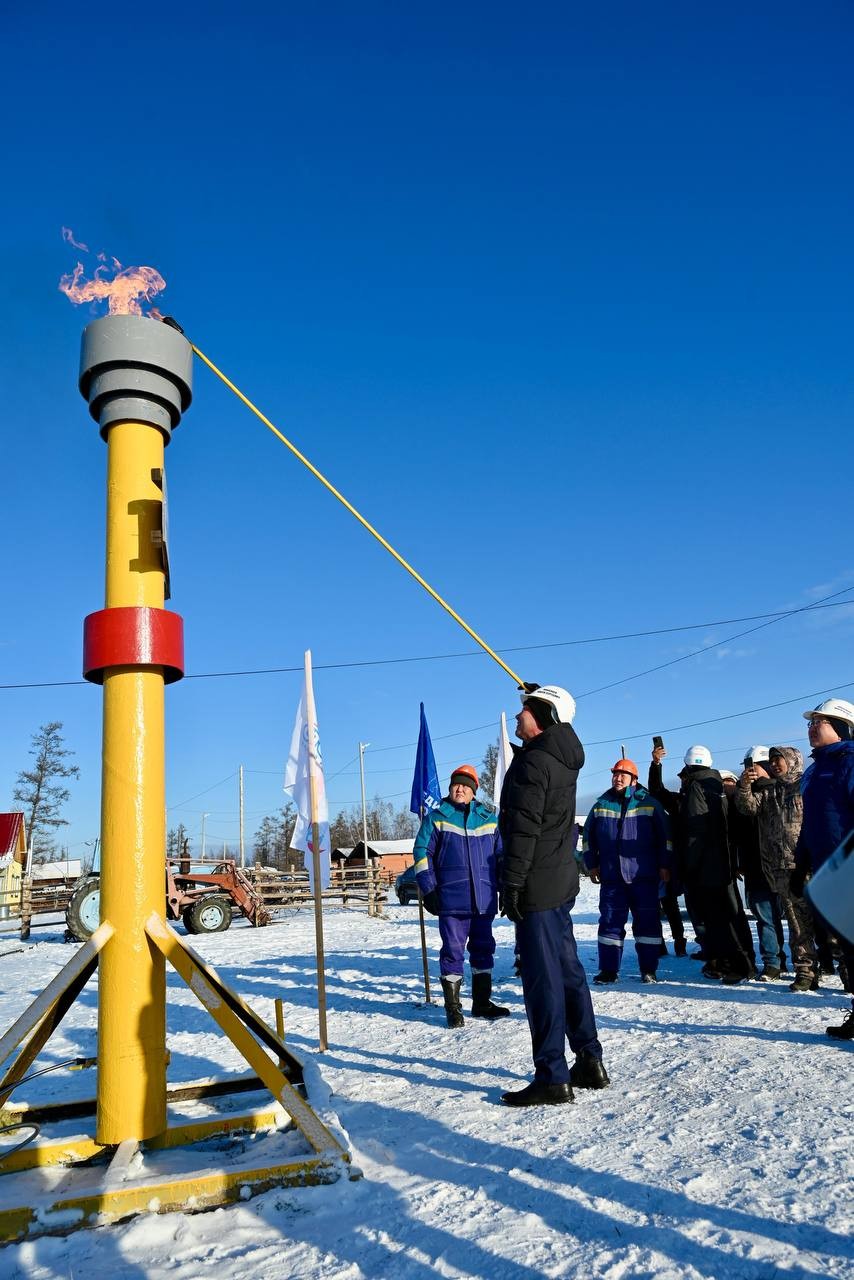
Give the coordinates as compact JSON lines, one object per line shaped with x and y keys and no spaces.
{"x":363,"y":888}
{"x":356,"y":888}
{"x":36,"y":898}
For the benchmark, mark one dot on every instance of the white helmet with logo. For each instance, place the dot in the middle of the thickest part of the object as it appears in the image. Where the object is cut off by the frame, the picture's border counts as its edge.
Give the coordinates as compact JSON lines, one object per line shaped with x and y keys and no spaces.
{"x":561,"y":702}
{"x":756,"y":755}
{"x":833,"y":709}
{"x":699,"y":755}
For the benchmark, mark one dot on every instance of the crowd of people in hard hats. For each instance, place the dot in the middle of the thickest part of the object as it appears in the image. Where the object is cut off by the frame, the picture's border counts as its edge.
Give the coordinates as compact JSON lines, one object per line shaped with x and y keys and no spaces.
{"x":723,"y":840}
{"x":750,"y":839}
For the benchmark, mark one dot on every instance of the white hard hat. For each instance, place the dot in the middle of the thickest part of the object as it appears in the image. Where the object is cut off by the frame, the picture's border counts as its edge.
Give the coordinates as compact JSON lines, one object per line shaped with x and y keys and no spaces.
{"x":831,"y":889}
{"x":835,"y":708}
{"x":561,"y":702}
{"x":699,"y":755}
{"x":728,"y":774}
{"x":757,"y":754}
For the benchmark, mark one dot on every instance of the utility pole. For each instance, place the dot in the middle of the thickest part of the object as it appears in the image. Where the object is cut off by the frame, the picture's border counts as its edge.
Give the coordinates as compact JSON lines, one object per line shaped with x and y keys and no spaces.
{"x":205,"y":816}
{"x":362,"y":748}
{"x":242,"y":850}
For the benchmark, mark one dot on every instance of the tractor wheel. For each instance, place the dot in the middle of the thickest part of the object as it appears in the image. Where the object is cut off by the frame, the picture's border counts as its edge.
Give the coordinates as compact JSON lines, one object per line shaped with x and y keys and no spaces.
{"x":211,"y":914}
{"x":83,"y":913}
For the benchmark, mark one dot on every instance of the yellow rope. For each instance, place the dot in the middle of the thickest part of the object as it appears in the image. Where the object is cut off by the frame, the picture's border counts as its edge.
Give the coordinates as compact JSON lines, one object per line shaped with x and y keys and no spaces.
{"x":365,"y":523}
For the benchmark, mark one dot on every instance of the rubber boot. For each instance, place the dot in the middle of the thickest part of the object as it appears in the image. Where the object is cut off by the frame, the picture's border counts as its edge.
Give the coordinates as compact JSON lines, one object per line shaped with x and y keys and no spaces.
{"x":846,"y":1031}
{"x":481,"y":998}
{"x":453,"y":1009}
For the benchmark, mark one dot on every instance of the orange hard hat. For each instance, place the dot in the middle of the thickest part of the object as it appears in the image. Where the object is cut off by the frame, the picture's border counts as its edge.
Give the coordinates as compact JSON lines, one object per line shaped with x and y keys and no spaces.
{"x":626,"y":766}
{"x":467,"y":775}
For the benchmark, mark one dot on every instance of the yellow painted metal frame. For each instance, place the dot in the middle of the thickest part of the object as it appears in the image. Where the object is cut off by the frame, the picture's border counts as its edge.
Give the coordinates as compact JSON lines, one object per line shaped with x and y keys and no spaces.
{"x":115,"y":1199}
{"x":131,"y":946}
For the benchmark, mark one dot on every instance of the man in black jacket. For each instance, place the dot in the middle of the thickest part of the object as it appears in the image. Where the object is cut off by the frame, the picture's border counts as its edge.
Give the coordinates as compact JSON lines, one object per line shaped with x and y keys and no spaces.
{"x":699,"y":812}
{"x":539,"y":887}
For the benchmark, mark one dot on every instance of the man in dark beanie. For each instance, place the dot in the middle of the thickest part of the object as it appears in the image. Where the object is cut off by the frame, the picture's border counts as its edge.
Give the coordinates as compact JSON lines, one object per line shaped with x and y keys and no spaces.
{"x":539,"y":888}
{"x":456,"y":859}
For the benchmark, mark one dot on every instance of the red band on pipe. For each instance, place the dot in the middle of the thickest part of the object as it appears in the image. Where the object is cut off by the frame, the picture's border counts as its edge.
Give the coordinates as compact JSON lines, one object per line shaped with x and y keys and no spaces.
{"x":133,"y":636}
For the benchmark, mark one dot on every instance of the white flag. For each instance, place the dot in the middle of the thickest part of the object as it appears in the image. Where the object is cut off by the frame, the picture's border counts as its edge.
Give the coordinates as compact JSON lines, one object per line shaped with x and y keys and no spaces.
{"x":304,"y":772}
{"x":505,"y":755}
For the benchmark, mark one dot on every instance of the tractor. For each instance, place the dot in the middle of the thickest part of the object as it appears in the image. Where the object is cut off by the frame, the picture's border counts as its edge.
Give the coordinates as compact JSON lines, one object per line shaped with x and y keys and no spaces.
{"x":205,"y":901}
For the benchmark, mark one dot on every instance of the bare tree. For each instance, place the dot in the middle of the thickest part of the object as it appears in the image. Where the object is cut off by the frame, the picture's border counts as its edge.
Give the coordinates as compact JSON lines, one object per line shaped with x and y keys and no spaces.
{"x":272,"y":841}
{"x":488,"y":765}
{"x":176,"y":838}
{"x":40,"y":789}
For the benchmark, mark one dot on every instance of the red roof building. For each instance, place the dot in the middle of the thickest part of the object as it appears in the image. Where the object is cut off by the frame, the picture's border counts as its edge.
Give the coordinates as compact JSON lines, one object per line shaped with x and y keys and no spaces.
{"x":13,"y":837}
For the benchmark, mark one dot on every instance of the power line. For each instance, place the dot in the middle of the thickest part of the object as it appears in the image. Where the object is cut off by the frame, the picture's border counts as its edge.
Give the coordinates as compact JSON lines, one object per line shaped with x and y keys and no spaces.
{"x":733,"y":715}
{"x":776,"y":616}
{"x":717,"y":644}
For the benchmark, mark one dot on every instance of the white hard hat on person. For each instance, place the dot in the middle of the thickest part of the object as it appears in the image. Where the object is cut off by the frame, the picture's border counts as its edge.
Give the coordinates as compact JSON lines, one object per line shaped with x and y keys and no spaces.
{"x":757,"y":754}
{"x":698,"y":755}
{"x":560,"y":700}
{"x":833,"y":709}
{"x":727,"y":775}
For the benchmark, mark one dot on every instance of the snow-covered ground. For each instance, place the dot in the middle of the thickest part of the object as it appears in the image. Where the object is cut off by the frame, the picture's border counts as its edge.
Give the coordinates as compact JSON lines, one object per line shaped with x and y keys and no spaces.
{"x":722,"y":1149}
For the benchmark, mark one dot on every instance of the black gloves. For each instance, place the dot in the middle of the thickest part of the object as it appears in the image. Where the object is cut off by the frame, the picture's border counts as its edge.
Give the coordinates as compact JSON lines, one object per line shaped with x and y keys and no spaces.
{"x":431,"y":901}
{"x":797,"y":881}
{"x":509,"y":902}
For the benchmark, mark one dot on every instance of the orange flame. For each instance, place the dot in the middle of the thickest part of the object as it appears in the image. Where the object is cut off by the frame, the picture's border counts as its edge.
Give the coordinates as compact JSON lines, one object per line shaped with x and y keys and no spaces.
{"x":124,"y":288}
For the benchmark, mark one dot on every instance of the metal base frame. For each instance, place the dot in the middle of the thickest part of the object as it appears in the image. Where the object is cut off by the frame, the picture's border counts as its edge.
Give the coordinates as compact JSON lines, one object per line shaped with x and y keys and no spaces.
{"x":110,"y":1194}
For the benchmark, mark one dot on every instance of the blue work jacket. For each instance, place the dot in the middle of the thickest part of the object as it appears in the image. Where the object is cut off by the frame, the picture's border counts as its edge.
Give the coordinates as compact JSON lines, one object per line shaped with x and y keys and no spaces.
{"x":828,"y":791}
{"x":627,"y":837}
{"x":457,"y":851}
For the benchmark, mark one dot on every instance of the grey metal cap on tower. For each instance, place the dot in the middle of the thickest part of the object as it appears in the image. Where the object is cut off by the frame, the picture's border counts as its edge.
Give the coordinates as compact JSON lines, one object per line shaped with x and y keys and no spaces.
{"x":133,"y":369}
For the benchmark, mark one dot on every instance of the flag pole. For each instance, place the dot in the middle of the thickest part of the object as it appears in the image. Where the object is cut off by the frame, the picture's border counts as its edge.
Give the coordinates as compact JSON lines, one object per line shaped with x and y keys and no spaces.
{"x":315,"y":862}
{"x":427,"y":999}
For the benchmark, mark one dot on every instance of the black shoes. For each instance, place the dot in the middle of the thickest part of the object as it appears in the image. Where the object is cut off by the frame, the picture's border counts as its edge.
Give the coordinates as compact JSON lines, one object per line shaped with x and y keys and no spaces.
{"x":680,"y":947}
{"x":603,"y":977}
{"x":805,"y":982}
{"x":453,"y":1009}
{"x":588,"y":1072}
{"x":769,"y":973}
{"x":845,"y":1032}
{"x":481,"y":998}
{"x":537,"y":1094}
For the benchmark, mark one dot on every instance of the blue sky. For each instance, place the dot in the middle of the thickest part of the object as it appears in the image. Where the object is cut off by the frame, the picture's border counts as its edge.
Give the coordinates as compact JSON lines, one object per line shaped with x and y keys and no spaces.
{"x":560,"y":298}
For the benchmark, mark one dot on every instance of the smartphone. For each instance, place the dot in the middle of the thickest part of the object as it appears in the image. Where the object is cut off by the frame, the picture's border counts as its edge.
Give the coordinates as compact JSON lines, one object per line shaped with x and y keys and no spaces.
{"x":658,"y":742}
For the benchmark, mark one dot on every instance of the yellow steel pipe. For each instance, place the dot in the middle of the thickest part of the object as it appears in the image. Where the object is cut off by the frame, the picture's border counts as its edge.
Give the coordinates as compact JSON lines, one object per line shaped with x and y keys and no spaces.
{"x":132,"y":999}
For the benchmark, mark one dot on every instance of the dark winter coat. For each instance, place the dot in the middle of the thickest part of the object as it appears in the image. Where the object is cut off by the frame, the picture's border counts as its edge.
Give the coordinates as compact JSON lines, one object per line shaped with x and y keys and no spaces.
{"x":456,"y":851}
{"x":828,"y":791}
{"x":536,"y":817}
{"x":627,"y":837}
{"x":745,"y":843}
{"x":699,"y":813}
{"x":777,"y":806}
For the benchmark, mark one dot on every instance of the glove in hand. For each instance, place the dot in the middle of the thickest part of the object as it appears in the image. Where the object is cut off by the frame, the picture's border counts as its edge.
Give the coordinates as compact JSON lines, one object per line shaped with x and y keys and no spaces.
{"x":797,"y":881}
{"x":510,"y":904}
{"x":431,"y":902}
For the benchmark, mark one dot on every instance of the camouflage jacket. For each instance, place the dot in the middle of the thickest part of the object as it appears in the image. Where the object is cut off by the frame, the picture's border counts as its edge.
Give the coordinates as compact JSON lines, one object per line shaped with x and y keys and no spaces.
{"x":779,"y":809}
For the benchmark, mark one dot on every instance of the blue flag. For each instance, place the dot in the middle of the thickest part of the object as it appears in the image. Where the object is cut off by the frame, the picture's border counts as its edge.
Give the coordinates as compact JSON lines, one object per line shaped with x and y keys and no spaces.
{"x":426,"y":794}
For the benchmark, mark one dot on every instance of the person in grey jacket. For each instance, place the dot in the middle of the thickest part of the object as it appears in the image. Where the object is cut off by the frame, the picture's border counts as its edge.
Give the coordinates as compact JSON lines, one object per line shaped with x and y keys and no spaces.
{"x":778,"y":807}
